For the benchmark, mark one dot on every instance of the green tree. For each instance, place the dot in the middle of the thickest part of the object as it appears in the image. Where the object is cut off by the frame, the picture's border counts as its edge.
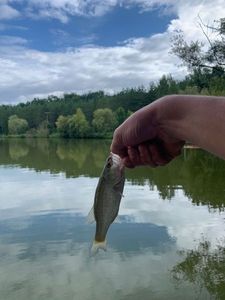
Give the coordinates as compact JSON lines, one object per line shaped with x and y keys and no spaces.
{"x":78,"y":124}
{"x":17,"y":125}
{"x":121,"y":115}
{"x":43,"y":130}
{"x":207,"y":60}
{"x":167,"y":85}
{"x":196,"y":54}
{"x":129,"y":113}
{"x":62,"y":125}
{"x":104,"y":120}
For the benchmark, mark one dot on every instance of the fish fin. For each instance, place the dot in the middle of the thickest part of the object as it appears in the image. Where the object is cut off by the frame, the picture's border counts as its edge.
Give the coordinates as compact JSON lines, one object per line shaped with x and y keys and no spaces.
{"x":91,"y":216}
{"x":121,"y":194}
{"x":98,"y":245}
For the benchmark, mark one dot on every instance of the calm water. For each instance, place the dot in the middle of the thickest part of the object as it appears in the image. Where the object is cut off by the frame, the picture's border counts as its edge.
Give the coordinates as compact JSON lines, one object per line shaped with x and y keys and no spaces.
{"x":168,"y":241}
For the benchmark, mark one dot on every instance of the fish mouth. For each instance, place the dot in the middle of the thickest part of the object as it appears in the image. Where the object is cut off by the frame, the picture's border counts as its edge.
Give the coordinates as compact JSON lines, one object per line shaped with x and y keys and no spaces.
{"x":117,"y":161}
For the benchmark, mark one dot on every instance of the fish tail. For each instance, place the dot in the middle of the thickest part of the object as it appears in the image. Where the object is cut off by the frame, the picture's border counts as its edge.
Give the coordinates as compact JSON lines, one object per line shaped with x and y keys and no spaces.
{"x":98,"y":245}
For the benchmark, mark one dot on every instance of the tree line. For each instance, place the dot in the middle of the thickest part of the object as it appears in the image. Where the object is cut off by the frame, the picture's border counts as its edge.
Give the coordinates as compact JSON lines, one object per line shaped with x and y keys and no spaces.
{"x":97,"y":114}
{"x":89,"y":115}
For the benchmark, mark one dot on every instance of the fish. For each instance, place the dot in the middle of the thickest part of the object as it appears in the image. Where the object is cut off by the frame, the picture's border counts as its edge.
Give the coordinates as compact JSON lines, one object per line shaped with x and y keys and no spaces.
{"x":108,"y":194}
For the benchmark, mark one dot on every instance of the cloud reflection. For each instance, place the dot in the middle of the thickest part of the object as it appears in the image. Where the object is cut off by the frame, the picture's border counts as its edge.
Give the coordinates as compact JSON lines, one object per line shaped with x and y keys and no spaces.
{"x":46,"y":192}
{"x":62,"y":273}
{"x":30,"y":193}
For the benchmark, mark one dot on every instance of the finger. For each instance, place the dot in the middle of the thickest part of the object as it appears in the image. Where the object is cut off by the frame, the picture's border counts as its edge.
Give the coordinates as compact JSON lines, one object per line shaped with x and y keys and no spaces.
{"x":134,"y":156}
{"x":173,"y":149}
{"x":117,"y":145}
{"x":127,"y":163}
{"x":145,"y":155}
{"x":158,"y":156}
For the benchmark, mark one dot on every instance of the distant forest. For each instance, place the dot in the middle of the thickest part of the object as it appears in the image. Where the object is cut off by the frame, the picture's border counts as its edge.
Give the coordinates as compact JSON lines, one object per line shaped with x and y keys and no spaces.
{"x":97,"y":114}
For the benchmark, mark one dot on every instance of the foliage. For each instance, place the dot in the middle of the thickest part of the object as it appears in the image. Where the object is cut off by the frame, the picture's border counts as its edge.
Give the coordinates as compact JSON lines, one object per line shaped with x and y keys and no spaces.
{"x":43,"y":129}
{"x":121,"y":115}
{"x":78,"y":124}
{"x":196,"y":55}
{"x":62,"y":125}
{"x":17,"y":125}
{"x":98,"y":114}
{"x":104,"y":120}
{"x":205,"y":61}
{"x":73,"y":126}
{"x":189,"y":53}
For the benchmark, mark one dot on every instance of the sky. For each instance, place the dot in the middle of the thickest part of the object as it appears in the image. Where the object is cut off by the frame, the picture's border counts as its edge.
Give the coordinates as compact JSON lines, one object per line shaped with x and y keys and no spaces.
{"x":52,"y":47}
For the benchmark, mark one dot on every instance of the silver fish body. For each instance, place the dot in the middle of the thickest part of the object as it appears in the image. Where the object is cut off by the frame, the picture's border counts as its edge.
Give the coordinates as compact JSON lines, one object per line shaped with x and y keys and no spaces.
{"x":108,"y":195}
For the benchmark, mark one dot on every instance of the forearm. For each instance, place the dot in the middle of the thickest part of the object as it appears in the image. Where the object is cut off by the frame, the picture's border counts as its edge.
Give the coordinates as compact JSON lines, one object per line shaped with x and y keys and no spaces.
{"x":197,"y":119}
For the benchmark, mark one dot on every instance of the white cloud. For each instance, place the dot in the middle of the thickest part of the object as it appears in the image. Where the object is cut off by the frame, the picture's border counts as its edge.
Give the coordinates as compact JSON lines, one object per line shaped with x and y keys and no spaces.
{"x":63,"y":9}
{"x":7,"y":12}
{"x":190,"y":15}
{"x":97,"y":7}
{"x":139,"y":61}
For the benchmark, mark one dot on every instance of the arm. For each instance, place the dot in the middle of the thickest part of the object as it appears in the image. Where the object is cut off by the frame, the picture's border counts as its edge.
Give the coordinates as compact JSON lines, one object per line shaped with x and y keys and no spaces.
{"x":156,"y":133}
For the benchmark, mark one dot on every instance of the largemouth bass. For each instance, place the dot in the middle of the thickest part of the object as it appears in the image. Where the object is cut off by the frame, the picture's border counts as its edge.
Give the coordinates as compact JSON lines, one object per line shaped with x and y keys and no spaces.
{"x":107,"y":199}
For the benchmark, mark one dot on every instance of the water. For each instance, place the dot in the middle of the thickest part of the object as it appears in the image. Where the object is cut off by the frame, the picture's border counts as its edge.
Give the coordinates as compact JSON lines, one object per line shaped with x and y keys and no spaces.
{"x":168,"y":241}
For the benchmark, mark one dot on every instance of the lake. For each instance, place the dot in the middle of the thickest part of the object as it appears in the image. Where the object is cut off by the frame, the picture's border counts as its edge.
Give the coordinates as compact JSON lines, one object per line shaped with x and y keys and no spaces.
{"x":168,"y":241}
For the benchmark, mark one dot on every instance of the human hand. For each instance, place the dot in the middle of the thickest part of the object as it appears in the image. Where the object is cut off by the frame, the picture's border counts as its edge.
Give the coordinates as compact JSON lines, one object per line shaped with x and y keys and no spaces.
{"x":143,"y":139}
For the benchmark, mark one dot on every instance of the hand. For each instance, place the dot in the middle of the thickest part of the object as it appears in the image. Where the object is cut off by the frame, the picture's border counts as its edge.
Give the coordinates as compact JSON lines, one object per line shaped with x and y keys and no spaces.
{"x":144,"y":140}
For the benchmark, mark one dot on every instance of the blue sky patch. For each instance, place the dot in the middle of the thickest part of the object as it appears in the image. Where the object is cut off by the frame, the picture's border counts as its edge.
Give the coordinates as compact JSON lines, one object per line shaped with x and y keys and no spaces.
{"x":111,"y":29}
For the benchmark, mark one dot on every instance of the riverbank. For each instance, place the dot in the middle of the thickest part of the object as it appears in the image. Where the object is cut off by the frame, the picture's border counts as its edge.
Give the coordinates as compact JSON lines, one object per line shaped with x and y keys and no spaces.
{"x":57,"y":135}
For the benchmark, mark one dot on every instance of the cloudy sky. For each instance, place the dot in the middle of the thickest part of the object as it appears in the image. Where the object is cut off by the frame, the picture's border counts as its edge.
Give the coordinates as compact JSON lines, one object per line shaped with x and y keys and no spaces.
{"x":56,"y":46}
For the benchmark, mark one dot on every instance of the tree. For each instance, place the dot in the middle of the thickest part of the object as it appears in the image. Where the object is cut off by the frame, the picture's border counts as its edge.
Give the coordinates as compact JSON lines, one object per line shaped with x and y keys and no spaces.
{"x":78,"y":124}
{"x":205,"y":61}
{"x":197,"y":55}
{"x":121,"y":115}
{"x":17,"y":125}
{"x":104,"y":120}
{"x":43,"y":130}
{"x":167,"y":85}
{"x":62,"y":125}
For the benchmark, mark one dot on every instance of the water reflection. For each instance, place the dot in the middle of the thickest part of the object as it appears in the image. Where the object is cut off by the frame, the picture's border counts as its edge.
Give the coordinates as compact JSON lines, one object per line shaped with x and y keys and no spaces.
{"x":47,"y":189}
{"x":46,"y":257}
{"x":17,"y":149}
{"x":204,"y":267}
{"x":39,"y":230}
{"x":200,"y":175}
